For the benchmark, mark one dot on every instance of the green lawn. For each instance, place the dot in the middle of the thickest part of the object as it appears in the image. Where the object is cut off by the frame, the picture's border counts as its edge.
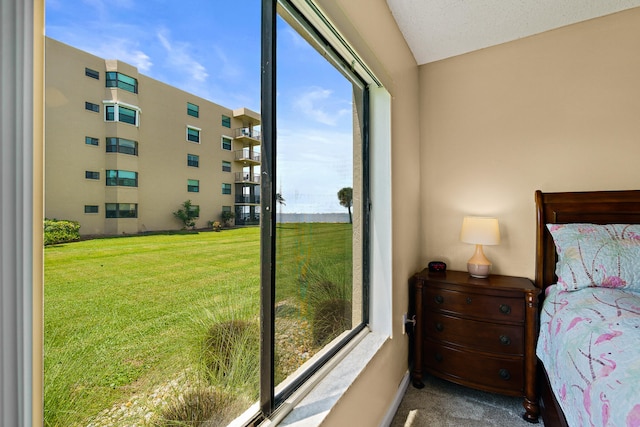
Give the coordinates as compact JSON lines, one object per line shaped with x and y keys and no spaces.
{"x":125,"y":314}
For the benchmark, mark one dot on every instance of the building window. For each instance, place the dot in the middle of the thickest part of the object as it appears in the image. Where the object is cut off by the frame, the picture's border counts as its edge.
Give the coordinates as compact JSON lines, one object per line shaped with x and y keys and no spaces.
{"x":193,"y":134}
{"x":193,"y":185}
{"x":122,"y":178}
{"x":193,"y":160}
{"x":121,"y":145}
{"x":226,"y":166}
{"x":226,"y":209}
{"x":120,"y":113}
{"x":121,"y":210}
{"x":226,"y":143}
{"x":91,"y":175}
{"x":226,"y":121}
{"x":194,"y":210}
{"x":92,"y":73}
{"x":122,"y":81}
{"x":89,"y":140}
{"x":226,"y":188}
{"x":193,"y":110}
{"x":90,"y":209}
{"x":92,"y":107}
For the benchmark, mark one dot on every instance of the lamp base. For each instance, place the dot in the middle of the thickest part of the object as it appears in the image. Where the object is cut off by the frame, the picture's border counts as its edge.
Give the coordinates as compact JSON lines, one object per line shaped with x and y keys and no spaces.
{"x":480,"y":271}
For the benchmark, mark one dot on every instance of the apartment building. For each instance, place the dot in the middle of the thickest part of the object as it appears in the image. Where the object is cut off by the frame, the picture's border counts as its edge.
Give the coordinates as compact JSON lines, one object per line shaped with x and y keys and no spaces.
{"x":124,"y":151}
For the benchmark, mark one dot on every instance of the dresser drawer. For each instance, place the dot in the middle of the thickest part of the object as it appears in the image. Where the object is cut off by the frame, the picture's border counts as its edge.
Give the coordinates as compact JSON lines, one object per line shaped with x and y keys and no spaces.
{"x":503,"y":309}
{"x":491,"y":373}
{"x":484,"y":336}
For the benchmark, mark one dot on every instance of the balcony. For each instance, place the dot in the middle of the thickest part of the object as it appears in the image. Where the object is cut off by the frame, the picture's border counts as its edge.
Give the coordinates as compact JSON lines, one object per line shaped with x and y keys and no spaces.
{"x":245,"y":199}
{"x":248,"y":135}
{"x":247,"y":178}
{"x":248,"y":156}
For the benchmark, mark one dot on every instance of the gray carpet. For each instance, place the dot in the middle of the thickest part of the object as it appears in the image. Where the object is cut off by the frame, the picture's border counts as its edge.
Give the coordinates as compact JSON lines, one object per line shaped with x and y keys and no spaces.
{"x":444,"y":404}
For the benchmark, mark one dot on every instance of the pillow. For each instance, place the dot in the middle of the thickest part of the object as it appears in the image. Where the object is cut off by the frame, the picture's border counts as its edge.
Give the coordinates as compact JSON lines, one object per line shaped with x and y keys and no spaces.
{"x":591,"y":255}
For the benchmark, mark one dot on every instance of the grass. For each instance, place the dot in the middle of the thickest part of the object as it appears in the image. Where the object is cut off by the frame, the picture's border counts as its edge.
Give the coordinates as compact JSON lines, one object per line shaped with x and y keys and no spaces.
{"x":124,"y":315}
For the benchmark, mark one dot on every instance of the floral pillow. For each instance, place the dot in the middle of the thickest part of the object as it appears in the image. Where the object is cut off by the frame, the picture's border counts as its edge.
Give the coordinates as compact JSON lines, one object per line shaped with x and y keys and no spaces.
{"x":591,"y":255}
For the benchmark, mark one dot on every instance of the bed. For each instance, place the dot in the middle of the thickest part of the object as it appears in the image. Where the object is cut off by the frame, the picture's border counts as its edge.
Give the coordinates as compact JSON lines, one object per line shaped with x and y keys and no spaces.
{"x":588,"y":266}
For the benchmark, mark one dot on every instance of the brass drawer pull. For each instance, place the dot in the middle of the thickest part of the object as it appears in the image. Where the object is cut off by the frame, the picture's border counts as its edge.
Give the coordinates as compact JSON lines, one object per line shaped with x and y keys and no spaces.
{"x":504,"y":374}
{"x":439,"y":327}
{"x":505,"y":309}
{"x":505,"y":340}
{"x":439,"y":299}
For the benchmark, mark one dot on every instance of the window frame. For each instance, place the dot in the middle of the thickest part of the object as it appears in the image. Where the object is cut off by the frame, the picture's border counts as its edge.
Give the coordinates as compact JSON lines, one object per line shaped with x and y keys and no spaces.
{"x":90,"y":106}
{"x":118,"y":181}
{"x":193,"y":160}
{"x":89,"y":140}
{"x":193,"y":110}
{"x":226,"y":121}
{"x":193,"y":185}
{"x":227,"y":188}
{"x":118,"y":211}
{"x":92,"y":73}
{"x":269,"y":401}
{"x":197,"y":136}
{"x":226,"y":166}
{"x":119,"y":148}
{"x":93,"y":175}
{"x":118,"y":83}
{"x":91,"y":209}
{"x":222,"y":143}
{"x":115,"y":114}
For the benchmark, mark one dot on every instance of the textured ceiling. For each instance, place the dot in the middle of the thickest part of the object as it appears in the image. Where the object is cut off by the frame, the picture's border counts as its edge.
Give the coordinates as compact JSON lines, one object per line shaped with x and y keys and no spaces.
{"x":438,"y":29}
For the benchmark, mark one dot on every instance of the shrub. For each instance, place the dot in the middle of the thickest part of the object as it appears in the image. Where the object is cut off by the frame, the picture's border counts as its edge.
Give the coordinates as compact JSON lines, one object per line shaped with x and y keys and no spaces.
{"x":227,"y":216}
{"x":187,"y":214}
{"x":60,"y":231}
{"x":203,"y":406}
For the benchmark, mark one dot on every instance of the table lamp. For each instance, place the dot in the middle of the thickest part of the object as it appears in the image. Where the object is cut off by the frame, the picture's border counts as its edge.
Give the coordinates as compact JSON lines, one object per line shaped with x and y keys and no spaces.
{"x":479,"y":231}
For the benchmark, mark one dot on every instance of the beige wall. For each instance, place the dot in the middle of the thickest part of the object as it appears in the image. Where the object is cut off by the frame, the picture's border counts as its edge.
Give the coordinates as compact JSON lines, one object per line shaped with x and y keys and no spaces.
{"x":370,"y":28}
{"x":559,"y":111}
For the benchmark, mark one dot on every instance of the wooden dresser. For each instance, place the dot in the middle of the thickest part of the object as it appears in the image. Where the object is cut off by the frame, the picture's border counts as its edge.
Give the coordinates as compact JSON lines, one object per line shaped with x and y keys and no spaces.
{"x":479,"y":333}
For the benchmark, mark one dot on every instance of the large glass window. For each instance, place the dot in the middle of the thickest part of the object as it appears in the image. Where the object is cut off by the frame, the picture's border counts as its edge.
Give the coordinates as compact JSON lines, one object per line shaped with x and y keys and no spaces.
{"x":226,"y":121}
{"x":226,"y":188}
{"x":122,"y":178}
{"x":120,"y":113}
{"x":122,"y":81}
{"x":121,"y":210}
{"x":121,"y":145}
{"x":193,"y":160}
{"x":193,"y":110}
{"x":315,"y":234}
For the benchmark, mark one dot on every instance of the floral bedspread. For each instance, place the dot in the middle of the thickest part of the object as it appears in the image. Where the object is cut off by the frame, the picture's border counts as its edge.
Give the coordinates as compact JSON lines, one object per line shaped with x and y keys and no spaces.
{"x":590,"y":346}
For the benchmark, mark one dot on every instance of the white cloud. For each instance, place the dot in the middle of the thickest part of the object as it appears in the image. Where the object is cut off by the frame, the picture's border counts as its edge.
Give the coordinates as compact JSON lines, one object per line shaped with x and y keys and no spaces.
{"x":178,"y":56}
{"x":319,"y":105}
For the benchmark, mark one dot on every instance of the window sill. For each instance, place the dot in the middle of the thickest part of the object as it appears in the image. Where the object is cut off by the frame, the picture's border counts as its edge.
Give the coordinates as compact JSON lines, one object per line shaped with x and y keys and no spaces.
{"x":310,"y":405}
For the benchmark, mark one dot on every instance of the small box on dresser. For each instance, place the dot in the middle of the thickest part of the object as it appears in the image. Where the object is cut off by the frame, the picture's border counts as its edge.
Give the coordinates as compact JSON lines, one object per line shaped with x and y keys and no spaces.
{"x":479,"y":333}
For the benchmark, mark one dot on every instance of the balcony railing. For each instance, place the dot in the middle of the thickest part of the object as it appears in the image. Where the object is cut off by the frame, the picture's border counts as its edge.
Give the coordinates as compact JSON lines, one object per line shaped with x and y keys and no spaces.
{"x":248,"y":133}
{"x":246,"y":155}
{"x":248,"y":199}
{"x":248,"y":178}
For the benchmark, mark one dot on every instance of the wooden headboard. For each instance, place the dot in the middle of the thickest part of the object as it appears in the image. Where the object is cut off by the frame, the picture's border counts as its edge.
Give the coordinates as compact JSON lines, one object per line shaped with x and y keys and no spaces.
{"x":594,"y":207}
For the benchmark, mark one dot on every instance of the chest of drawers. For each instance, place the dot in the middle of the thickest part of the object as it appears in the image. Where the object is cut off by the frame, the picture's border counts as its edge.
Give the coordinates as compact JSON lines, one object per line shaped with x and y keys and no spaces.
{"x":479,"y":333}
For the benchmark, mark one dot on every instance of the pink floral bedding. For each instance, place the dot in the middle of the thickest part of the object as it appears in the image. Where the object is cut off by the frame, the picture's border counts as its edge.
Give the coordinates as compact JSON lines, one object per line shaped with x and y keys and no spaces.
{"x":590,"y":346}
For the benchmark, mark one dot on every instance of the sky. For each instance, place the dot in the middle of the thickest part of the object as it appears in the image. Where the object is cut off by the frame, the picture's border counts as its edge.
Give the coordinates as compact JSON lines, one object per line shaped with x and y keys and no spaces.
{"x":211,"y":48}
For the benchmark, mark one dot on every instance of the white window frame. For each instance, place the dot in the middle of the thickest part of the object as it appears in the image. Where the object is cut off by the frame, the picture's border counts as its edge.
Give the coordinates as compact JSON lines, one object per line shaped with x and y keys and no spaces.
{"x":199,"y":134}
{"x":116,"y":112}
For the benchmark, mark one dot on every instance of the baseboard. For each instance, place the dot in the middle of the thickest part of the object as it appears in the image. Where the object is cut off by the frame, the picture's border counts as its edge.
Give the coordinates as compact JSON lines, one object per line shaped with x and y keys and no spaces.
{"x":391,"y":412}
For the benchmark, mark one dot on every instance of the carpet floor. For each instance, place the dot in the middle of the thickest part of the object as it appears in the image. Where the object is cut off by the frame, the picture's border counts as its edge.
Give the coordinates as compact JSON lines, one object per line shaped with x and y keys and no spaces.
{"x":444,"y":404}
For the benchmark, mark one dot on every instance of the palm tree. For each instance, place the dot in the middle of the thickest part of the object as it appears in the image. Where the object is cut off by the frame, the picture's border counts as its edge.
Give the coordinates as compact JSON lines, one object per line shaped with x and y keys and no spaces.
{"x":345,"y":195}
{"x":280,"y":201}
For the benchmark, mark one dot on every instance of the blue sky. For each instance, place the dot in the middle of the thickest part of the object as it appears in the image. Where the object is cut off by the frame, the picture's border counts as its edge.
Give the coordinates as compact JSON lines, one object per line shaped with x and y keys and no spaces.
{"x":211,"y":48}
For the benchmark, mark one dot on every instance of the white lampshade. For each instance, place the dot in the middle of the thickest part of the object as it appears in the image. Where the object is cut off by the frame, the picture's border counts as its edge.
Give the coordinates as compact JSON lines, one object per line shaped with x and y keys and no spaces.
{"x":480,"y":230}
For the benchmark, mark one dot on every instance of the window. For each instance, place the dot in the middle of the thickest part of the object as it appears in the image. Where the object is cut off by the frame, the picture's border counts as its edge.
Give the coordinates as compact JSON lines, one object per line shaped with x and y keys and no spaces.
{"x":91,"y":141}
{"x":226,"y":121}
{"x":91,"y":175}
{"x":193,"y":160}
{"x":226,"y":166}
{"x":91,"y":209}
{"x":92,"y":73}
{"x":226,"y":209}
{"x":122,"y":81}
{"x":343,"y":274}
{"x":122,"y":178}
{"x":226,"y":143}
{"x":193,"y":185}
{"x":92,"y":107}
{"x":120,"y":113}
{"x":121,"y":210}
{"x":121,"y":145}
{"x":193,"y":110}
{"x":226,"y":188}
{"x":194,"y":210}
{"x":193,"y":134}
